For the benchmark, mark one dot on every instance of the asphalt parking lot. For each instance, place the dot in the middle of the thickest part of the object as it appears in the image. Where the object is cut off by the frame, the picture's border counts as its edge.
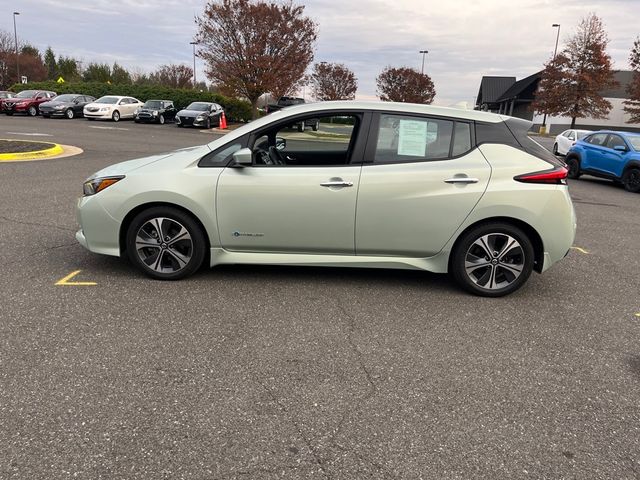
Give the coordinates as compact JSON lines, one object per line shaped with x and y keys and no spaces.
{"x":271,"y":372}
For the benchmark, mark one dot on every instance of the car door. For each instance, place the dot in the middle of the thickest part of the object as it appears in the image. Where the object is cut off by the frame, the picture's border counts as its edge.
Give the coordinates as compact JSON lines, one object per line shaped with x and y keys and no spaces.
{"x":594,"y":152}
{"x":615,"y":155}
{"x":568,"y":141}
{"x":421,"y":177}
{"x":563,"y":142}
{"x":293,"y":208}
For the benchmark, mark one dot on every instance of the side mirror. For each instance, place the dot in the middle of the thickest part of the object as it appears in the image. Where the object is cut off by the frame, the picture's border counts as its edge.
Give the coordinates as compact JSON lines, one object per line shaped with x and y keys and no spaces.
{"x":243,"y":158}
{"x":281,"y":143}
{"x":620,"y":148}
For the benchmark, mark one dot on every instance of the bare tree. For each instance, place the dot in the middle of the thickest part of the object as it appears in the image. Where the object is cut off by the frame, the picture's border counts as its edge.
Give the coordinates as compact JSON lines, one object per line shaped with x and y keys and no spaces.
{"x":571,"y":84}
{"x":252,"y":47}
{"x":632,"y":104}
{"x":333,"y":81}
{"x":174,"y":76}
{"x":405,"y":85}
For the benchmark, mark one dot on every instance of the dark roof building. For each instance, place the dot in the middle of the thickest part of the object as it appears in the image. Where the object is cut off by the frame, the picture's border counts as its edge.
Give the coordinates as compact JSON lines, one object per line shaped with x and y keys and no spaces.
{"x":491,"y":88}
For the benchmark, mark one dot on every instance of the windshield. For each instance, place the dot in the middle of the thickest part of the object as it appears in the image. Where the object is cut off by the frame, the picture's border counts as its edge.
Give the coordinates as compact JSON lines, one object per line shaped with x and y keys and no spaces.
{"x":153,"y":104}
{"x":200,"y":106}
{"x":66,"y":98}
{"x":635,"y":142}
{"x":111,"y":100}
{"x":27,"y":94}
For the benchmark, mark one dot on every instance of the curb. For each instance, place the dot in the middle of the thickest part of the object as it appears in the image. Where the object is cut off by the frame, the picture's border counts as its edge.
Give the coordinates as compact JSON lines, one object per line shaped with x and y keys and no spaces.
{"x":52,"y":151}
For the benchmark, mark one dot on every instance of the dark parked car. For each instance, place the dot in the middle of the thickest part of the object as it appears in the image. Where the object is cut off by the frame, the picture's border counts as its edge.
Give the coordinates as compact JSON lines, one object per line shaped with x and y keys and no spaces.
{"x":69,"y":105}
{"x":283,"y":102}
{"x":200,"y":114}
{"x":156,"y":111}
{"x":27,"y":101}
{"x":4,"y":95}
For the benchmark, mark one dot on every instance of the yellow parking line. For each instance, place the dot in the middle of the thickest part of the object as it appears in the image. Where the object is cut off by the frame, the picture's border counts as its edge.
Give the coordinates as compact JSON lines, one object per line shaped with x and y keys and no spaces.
{"x":65,"y":280}
{"x":638,"y":314}
{"x":581,"y":250}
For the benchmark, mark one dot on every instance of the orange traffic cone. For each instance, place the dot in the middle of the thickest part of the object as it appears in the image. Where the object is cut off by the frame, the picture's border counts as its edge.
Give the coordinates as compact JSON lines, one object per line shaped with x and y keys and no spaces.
{"x":223,"y":121}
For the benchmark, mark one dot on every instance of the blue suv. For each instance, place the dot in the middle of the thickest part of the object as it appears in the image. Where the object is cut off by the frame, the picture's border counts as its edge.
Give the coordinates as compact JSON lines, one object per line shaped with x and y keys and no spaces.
{"x":607,"y":154}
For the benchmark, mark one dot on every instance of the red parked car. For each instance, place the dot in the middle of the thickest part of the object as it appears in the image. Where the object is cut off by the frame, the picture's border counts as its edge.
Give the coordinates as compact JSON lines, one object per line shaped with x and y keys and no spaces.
{"x":27,"y":102}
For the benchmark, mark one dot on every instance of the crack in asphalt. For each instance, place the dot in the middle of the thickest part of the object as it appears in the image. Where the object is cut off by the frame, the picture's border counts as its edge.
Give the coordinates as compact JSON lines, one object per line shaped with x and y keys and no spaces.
{"x":283,"y":408}
{"x":43,"y":252}
{"x":37,"y":224}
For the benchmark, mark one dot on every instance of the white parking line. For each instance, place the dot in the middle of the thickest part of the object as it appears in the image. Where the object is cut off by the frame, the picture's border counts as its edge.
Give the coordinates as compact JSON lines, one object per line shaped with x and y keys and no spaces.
{"x":107,"y":128}
{"x":30,"y":134}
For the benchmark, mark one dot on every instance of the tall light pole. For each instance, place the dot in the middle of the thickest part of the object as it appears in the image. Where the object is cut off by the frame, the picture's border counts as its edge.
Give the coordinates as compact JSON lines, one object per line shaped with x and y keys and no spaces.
{"x":194,"y":62}
{"x":555,"y":51}
{"x":424,"y":53}
{"x":15,"y":34}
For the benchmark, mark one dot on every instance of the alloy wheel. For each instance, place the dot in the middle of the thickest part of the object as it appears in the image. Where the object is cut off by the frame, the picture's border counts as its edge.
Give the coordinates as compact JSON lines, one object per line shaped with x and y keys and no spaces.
{"x":494,"y":261}
{"x":164,"y":245}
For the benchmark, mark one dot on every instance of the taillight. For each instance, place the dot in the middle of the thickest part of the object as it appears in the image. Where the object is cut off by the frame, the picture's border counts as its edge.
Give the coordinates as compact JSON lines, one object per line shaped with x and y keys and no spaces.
{"x":557,"y":176}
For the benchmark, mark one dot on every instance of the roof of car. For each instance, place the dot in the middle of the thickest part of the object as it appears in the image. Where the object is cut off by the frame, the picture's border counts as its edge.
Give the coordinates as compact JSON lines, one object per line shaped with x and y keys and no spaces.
{"x":396,"y":107}
{"x":619,"y":132}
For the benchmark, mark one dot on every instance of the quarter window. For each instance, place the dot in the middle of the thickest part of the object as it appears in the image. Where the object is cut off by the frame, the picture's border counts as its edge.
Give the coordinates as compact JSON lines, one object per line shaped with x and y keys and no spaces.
{"x":461,"y":139}
{"x":413,"y":139}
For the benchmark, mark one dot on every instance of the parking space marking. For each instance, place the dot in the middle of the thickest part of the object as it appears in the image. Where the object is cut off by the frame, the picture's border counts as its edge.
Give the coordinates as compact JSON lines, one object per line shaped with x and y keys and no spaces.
{"x":31,"y":134}
{"x":108,"y":128}
{"x":638,"y":314}
{"x":65,"y":281}
{"x":581,"y":250}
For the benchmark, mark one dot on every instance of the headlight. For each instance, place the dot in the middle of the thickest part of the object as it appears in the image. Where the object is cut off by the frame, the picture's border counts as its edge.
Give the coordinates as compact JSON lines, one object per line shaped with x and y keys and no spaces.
{"x":59,"y":107}
{"x":104,"y":109}
{"x":200,"y":117}
{"x":91,"y":187}
{"x":155,"y":112}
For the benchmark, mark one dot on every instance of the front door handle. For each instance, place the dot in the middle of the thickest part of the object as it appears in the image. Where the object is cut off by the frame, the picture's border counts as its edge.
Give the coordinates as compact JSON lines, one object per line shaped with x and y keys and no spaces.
{"x":463,"y":180}
{"x":336,"y":183}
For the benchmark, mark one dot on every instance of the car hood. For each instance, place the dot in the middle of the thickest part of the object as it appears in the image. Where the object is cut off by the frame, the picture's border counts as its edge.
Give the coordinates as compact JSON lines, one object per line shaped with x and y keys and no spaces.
{"x":191,"y":113}
{"x":175,"y":160}
{"x":54,"y":103}
{"x":100,"y":105}
{"x":17,"y":100}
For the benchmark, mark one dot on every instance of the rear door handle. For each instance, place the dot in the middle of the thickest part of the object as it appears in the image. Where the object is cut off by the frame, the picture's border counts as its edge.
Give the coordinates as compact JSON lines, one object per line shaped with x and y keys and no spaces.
{"x":461,"y":180}
{"x":337,"y":183}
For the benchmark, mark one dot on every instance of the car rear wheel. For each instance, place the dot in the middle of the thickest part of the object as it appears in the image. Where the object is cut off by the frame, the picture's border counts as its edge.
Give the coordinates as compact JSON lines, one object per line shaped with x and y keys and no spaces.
{"x":301,"y":127}
{"x":33,"y":111}
{"x":492,"y":260}
{"x":70,"y":113}
{"x":631,"y":180}
{"x":573,"y":167}
{"x":116,"y":116}
{"x":315,"y":126}
{"x":46,"y":116}
{"x":165,"y":243}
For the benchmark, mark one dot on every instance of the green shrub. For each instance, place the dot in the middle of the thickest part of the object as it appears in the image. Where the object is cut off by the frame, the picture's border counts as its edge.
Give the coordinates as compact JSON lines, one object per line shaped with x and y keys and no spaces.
{"x":235,"y":110}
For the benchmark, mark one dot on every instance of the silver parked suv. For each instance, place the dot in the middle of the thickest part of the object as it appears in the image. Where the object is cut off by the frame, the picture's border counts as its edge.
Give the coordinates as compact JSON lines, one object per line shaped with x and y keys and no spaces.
{"x":378,"y":185}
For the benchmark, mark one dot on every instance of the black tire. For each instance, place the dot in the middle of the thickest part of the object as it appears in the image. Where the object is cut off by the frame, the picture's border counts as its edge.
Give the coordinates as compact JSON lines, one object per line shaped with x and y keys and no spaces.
{"x":315,"y":126}
{"x":573,"y":167}
{"x":555,"y":149}
{"x":70,"y":114}
{"x":161,"y":119}
{"x":196,"y":252}
{"x":32,"y":111}
{"x":631,"y":180}
{"x":207,"y":125}
{"x":136,"y":120}
{"x":522,"y":257}
{"x":115,"y":116}
{"x":179,"y":125}
{"x":301,"y":127}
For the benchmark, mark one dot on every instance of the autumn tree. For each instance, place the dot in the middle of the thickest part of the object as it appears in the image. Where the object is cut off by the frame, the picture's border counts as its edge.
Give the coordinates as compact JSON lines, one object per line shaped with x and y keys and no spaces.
{"x":571,"y":83}
{"x":174,"y":76}
{"x":632,"y":104}
{"x":333,"y":81}
{"x":405,"y":85}
{"x":252,"y":47}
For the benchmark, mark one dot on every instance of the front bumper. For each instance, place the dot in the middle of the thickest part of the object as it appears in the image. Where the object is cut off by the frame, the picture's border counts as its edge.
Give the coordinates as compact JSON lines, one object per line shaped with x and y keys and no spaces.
{"x":52,"y":111}
{"x":15,"y":108}
{"x":99,"y":232}
{"x":190,"y":122}
{"x":147,"y":117}
{"x":97,"y":115}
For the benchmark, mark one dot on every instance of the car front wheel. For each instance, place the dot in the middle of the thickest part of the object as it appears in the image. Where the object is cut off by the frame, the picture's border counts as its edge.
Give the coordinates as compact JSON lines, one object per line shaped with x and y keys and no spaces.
{"x":116,"y":116}
{"x":631,"y":180}
{"x":165,"y":243}
{"x":492,"y":260}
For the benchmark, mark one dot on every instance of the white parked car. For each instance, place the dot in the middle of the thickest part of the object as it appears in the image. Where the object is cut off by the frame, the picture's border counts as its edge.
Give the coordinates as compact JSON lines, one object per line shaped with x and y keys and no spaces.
{"x":395,"y":186}
{"x":112,"y":107}
{"x":566,"y":139}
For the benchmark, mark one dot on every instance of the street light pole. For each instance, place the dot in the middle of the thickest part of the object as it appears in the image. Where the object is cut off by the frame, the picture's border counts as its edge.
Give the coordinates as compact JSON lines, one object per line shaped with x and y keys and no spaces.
{"x":424,"y":53}
{"x":15,"y":34}
{"x":194,"y":62}
{"x":555,"y":51}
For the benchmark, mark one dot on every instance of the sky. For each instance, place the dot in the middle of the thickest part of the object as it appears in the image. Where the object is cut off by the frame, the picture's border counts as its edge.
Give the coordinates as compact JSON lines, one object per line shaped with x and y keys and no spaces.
{"x":466,"y":39}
